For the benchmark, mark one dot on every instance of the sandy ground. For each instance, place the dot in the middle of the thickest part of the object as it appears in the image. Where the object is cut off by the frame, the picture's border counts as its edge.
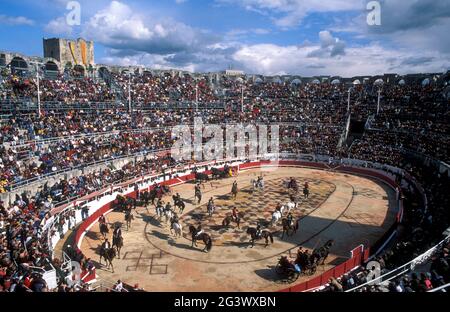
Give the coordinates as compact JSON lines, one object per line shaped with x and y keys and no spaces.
{"x":349,"y":209}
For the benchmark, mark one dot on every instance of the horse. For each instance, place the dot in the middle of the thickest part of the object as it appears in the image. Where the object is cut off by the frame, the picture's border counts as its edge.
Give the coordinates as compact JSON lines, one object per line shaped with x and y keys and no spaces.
{"x":289,"y":206}
{"x":104,"y":229}
{"x":128,"y":218}
{"x":201,"y":177}
{"x":319,"y":255}
{"x":306,"y":192}
{"x":121,"y":202}
{"x":159,"y":212}
{"x":154,"y":194}
{"x":211,"y":208}
{"x":228,"y":219}
{"x":118,"y":243}
{"x":203,"y":236}
{"x":108,"y":254}
{"x":168,"y":213}
{"x":264,"y":234}
{"x":257,"y":184}
{"x":177,"y":228}
{"x":198,"y":195}
{"x":289,"y":227}
{"x":178,"y":202}
{"x":218,"y":174}
{"x":145,"y":198}
{"x":234,"y":190}
{"x":276,"y":216}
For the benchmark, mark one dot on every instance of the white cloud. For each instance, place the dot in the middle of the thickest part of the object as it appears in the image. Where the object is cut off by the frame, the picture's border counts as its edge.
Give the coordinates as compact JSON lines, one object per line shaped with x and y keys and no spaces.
{"x":367,"y":60}
{"x":59,"y":26}
{"x":118,"y":27}
{"x":289,"y":13}
{"x":15,"y":20}
{"x":136,"y":39}
{"x":329,"y":46}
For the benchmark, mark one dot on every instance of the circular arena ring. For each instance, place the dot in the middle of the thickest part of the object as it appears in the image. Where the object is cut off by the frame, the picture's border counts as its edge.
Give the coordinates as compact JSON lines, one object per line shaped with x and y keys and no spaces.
{"x":352,"y":206}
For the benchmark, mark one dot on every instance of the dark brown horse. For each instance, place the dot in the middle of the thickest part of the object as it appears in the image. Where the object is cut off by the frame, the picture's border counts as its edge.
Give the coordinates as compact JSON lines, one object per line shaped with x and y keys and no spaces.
{"x":264,"y":234}
{"x":104,"y":229}
{"x":128,"y":218}
{"x":118,"y":243}
{"x":108,"y":254}
{"x":234,"y":190}
{"x":203,"y":237}
{"x":228,"y":219}
{"x":289,"y":228}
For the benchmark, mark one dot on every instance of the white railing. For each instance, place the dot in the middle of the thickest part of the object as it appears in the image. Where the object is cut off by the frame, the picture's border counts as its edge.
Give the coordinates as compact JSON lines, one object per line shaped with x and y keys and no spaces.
{"x":407,"y":267}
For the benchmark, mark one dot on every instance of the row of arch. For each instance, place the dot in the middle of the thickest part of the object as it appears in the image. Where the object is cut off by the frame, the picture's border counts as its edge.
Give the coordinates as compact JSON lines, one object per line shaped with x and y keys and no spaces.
{"x":336,"y":81}
{"x":20,"y":64}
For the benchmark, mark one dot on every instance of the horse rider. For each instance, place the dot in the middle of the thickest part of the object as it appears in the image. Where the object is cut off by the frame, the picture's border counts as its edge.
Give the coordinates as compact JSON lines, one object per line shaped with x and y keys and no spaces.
{"x":168,"y":207}
{"x":234,"y":214}
{"x":235,"y":187}
{"x":258,"y":230}
{"x":177,"y":198}
{"x":210,"y":204}
{"x":290,"y":218}
{"x":306,"y":185}
{"x":197,"y":189}
{"x":106,"y":245}
{"x":199,"y":231}
{"x":259,"y":182}
{"x":278,"y":207}
{"x":102,"y":219}
{"x":117,"y":232}
{"x":174,"y":218}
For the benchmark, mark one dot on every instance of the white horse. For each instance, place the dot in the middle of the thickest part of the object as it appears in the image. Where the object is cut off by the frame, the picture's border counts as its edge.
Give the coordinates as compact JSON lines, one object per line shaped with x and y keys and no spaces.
{"x":276,"y":216}
{"x":289,"y":206}
{"x":257,"y":184}
{"x":211,"y":209}
{"x":159,"y":212}
{"x":177,"y":228}
{"x":168,"y":214}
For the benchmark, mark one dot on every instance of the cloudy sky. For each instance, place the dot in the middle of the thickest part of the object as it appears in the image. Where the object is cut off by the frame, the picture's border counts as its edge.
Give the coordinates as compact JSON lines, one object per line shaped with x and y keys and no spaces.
{"x":305,"y":37}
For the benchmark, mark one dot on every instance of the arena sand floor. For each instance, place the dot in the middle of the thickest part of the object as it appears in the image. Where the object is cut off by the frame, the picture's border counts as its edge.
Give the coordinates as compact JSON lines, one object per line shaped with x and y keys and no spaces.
{"x":347,"y":208}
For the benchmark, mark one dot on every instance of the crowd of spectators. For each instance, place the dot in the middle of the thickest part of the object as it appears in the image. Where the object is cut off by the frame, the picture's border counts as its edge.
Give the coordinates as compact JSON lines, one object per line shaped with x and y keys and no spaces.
{"x":24,"y":245}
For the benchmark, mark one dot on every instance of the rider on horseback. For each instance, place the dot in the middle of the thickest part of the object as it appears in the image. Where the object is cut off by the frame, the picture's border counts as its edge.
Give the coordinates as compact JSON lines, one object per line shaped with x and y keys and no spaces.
{"x":174,"y":218}
{"x":102,"y":219}
{"x":258,"y":230}
{"x":290,"y":219}
{"x":234,"y":214}
{"x":106,"y":245}
{"x":199,"y":230}
{"x":117,"y":231}
{"x":278,"y":207}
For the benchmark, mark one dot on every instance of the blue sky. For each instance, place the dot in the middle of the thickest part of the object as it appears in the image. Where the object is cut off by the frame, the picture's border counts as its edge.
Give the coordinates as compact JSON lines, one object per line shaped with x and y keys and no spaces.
{"x":306,"y":37}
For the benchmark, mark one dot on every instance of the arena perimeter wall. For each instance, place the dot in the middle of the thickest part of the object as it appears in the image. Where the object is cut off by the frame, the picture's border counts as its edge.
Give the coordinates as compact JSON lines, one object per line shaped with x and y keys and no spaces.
{"x":357,"y":256}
